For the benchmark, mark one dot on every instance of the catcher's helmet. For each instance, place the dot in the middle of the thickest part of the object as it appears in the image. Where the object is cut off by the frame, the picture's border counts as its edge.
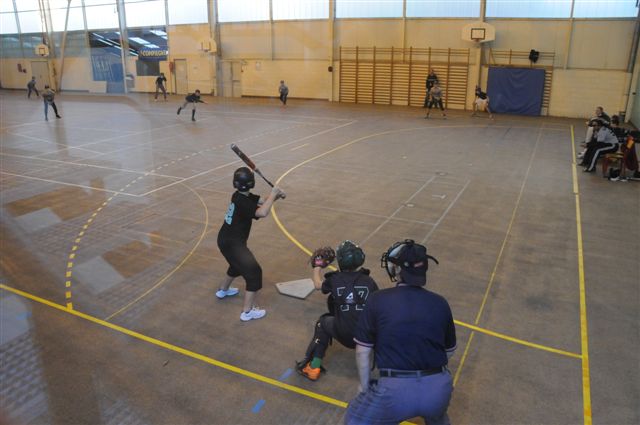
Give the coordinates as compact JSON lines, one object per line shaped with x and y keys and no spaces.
{"x":413,"y":260}
{"x":350,"y":256}
{"x":243,"y":179}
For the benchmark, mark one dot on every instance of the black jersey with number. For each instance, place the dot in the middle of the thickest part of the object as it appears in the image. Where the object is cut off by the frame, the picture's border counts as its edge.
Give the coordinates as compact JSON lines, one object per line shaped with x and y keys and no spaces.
{"x":349,"y":294}
{"x":239,"y":217}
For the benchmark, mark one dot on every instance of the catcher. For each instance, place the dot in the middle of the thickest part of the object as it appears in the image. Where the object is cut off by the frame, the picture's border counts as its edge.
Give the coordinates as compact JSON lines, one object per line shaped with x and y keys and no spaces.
{"x":348,"y":291}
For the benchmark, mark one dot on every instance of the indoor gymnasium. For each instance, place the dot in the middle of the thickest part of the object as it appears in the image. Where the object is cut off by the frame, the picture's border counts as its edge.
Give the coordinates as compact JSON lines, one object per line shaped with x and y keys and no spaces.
{"x":319,"y":212}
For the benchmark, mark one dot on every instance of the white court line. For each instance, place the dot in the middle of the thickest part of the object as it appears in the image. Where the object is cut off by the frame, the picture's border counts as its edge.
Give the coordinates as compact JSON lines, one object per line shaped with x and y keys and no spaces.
{"x":299,"y":147}
{"x":49,"y":142}
{"x":377,"y":229}
{"x":91,"y":165}
{"x":214,"y":114}
{"x":444,"y":214}
{"x":70,"y":184}
{"x":253,"y":155}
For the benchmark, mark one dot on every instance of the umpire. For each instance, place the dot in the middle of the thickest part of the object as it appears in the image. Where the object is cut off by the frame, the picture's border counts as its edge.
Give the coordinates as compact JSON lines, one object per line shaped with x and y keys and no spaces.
{"x":411,"y":332}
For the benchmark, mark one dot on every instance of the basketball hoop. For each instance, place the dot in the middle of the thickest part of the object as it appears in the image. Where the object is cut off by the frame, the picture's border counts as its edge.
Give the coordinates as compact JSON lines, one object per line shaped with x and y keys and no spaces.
{"x":42,"y":50}
{"x":478,"y":32}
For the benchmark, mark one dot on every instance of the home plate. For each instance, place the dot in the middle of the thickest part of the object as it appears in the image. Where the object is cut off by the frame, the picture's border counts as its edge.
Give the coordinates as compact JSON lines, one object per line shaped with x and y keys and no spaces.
{"x":296,"y":288}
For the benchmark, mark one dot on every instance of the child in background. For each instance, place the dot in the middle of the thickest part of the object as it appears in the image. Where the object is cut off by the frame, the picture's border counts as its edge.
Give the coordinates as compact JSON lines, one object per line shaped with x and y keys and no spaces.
{"x":284,"y":92}
{"x":194,"y":99}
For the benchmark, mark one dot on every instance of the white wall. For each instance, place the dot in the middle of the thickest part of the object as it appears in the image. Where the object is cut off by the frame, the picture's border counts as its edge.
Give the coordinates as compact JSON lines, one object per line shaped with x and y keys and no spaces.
{"x":305,"y":79}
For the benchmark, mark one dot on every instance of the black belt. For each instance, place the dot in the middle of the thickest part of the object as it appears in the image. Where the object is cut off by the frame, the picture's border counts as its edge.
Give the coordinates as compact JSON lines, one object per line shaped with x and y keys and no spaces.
{"x":394,"y":373}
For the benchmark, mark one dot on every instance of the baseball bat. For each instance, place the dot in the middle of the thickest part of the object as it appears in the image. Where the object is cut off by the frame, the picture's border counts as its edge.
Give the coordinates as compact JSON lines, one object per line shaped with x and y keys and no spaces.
{"x":249,"y":162}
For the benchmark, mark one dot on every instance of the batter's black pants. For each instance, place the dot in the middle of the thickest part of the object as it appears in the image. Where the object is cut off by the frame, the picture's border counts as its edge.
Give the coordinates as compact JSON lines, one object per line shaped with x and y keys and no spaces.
{"x":242,"y":263}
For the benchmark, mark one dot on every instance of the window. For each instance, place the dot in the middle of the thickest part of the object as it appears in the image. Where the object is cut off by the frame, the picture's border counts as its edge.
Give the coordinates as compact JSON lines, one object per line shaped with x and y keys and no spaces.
{"x":300,"y":9}
{"x":59,"y":15}
{"x":8,"y":23}
{"x":243,"y":10}
{"x":29,"y":43}
{"x":101,"y":14}
{"x":142,"y":13}
{"x":529,"y":9}
{"x":76,"y":45}
{"x":443,"y":9}
{"x":6,"y":6}
{"x":10,"y":46}
{"x":29,"y":16}
{"x":147,"y":68}
{"x":369,"y":8}
{"x":30,"y":22}
{"x":188,"y":12}
{"x":605,"y":9}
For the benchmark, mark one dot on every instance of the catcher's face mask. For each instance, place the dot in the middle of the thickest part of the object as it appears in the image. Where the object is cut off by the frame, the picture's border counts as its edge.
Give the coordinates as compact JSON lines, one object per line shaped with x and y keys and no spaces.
{"x":407,"y":260}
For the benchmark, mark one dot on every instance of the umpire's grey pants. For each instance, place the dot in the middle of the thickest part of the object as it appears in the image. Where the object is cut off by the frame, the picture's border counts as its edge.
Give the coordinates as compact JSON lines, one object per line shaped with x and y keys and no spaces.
{"x":393,"y":400}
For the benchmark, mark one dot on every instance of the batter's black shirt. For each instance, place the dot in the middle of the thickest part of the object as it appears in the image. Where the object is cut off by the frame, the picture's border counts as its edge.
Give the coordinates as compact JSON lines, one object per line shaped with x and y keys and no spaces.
{"x":409,"y":328}
{"x":481,"y":94}
{"x":160,"y":81}
{"x":349,"y":292}
{"x":239,"y":217}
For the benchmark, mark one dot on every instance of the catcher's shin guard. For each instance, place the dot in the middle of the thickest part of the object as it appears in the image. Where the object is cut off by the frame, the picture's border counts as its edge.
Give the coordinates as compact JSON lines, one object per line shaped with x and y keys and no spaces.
{"x":320,"y":341}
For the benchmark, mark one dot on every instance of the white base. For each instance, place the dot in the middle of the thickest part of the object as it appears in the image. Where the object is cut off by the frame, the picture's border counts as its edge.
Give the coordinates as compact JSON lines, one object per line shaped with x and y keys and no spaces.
{"x":296,"y":288}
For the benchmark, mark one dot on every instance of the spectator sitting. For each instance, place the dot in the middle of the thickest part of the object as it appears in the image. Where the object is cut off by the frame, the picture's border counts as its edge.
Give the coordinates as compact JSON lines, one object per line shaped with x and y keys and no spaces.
{"x":620,"y":132}
{"x":605,"y":142}
{"x":600,"y":115}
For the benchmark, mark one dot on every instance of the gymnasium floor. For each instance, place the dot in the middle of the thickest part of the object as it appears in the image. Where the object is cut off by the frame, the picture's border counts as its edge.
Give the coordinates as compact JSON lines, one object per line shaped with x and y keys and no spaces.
{"x":109,"y":261}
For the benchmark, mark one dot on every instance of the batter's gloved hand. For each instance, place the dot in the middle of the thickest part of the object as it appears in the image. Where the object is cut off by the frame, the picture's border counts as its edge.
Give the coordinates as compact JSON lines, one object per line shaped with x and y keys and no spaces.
{"x":322,"y":257}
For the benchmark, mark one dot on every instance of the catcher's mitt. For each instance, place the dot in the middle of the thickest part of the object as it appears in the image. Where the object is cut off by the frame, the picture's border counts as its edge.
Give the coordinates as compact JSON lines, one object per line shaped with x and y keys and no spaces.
{"x":322,"y":257}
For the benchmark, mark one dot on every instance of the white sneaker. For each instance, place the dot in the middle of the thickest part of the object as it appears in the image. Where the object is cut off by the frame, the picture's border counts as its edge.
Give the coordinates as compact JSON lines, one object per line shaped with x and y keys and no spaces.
{"x":254,"y":313}
{"x":221,"y":293}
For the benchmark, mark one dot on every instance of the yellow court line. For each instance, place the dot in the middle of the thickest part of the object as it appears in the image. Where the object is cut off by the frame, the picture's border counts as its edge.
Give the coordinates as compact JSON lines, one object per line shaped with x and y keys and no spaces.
{"x":467,"y":325}
{"x":584,"y":336}
{"x":180,"y":350}
{"x":515,"y":340}
{"x":499,"y":259}
{"x":184,"y":260}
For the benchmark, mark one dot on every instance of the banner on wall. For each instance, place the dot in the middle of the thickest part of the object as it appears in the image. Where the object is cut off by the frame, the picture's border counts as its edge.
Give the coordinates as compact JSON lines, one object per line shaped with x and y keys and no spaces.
{"x":516,"y":90}
{"x":153,"y":54}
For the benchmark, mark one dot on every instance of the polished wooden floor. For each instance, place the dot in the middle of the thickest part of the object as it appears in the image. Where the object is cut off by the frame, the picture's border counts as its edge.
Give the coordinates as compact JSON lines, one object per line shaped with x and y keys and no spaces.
{"x":109,"y":261}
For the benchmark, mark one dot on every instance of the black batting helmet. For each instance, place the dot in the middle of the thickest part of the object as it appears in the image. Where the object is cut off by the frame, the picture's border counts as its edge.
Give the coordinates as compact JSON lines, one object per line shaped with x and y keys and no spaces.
{"x":413,"y":260}
{"x":350,"y":256}
{"x":243,"y":179}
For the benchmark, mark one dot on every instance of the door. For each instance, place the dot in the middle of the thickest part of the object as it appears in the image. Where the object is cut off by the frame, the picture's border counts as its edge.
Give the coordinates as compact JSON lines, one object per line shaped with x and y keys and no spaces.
{"x":231,"y":78}
{"x":182,"y":86}
{"x":40,"y":70}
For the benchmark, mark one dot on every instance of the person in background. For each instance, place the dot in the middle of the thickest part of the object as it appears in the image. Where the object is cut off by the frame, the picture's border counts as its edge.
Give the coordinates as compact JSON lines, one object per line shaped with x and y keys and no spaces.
{"x":48,"y":97}
{"x":435,"y":95}
{"x":31,"y":86}
{"x":194,"y":99}
{"x":284,"y":92}
{"x":432,"y":78}
{"x":605,"y":142}
{"x":481,"y":102}
{"x":160,"y":86}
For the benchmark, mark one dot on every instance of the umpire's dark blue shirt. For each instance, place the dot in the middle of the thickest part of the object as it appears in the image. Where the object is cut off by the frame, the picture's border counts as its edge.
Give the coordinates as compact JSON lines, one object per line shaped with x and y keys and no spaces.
{"x":408,"y":327}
